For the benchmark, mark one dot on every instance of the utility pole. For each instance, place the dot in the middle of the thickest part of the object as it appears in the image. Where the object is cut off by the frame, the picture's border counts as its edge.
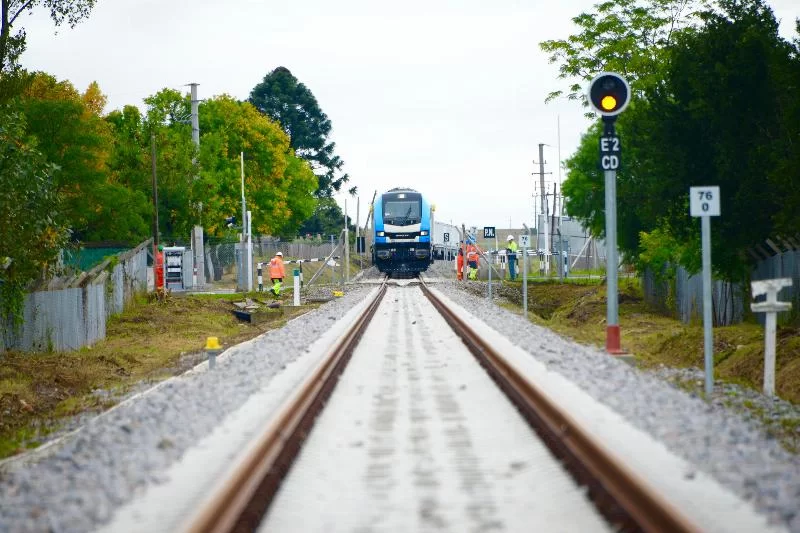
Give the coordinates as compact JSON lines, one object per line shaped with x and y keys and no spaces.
{"x":195,"y":115}
{"x":247,"y":277}
{"x":155,"y":190}
{"x":198,"y":250}
{"x":544,"y":210}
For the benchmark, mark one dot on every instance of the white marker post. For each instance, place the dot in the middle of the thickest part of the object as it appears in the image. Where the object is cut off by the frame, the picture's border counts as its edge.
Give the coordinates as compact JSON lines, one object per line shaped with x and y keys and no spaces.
{"x":524,"y":242}
{"x":296,"y":287}
{"x":704,"y":203}
{"x":771,"y":306}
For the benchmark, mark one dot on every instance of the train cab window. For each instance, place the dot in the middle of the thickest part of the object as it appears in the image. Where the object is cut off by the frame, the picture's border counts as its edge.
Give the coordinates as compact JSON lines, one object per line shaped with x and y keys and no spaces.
{"x":402,"y":211}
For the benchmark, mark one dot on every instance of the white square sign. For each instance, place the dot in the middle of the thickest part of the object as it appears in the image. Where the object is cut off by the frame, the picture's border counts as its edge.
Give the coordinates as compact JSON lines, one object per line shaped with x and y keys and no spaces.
{"x":704,"y":201}
{"x":524,"y":240}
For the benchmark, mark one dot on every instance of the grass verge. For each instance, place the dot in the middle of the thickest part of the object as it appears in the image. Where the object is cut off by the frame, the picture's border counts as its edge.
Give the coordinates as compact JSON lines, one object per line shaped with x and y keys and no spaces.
{"x":147,"y":343}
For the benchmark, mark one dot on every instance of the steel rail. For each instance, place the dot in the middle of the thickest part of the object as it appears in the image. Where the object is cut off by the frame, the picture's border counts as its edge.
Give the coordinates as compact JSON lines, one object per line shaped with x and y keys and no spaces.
{"x":618,"y":492}
{"x":249,"y":487}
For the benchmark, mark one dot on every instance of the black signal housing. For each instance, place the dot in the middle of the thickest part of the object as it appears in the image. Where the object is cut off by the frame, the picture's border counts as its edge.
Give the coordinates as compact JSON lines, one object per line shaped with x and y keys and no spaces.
{"x":609,"y":94}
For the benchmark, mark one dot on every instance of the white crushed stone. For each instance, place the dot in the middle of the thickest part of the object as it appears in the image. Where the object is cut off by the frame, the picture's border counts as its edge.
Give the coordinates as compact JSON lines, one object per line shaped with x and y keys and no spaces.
{"x":117,"y":455}
{"x":734,"y":451}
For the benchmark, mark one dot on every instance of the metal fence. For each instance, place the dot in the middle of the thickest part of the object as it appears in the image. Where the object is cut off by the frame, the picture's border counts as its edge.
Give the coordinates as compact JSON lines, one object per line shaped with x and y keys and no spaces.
{"x":684,"y":296}
{"x":74,"y":313}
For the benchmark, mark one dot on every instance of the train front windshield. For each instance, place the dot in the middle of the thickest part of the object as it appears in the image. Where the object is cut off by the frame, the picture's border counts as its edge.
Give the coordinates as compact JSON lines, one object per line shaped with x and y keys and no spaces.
{"x":402,"y":209}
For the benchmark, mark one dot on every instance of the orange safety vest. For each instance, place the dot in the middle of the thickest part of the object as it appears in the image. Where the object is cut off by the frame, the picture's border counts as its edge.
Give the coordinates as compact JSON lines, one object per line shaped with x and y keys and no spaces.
{"x":472,"y":253}
{"x":276,"y":268}
{"x":159,"y":269}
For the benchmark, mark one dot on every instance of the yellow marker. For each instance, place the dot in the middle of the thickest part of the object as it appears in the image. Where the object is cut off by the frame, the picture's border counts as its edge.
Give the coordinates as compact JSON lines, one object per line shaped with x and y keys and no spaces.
{"x":338,"y":293}
{"x":212,"y":343}
{"x":608,"y":103}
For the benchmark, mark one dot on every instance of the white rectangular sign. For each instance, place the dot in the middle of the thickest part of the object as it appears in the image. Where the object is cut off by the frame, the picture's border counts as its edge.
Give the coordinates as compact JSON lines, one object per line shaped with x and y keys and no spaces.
{"x":523,"y":240}
{"x":704,"y":201}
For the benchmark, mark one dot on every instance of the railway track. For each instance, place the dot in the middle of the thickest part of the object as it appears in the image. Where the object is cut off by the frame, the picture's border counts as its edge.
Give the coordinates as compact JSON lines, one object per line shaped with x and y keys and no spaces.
{"x":252,"y":485}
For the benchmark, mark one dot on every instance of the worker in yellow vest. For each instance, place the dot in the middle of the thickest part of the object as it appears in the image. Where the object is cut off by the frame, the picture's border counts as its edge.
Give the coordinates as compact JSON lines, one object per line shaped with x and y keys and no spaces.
{"x":472,"y":258}
{"x":511,"y":254}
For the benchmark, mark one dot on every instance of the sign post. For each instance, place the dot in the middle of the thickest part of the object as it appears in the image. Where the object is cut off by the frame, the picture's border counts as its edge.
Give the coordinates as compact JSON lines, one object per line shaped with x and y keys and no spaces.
{"x":704,"y":203}
{"x":524,"y":242}
{"x":609,"y":94}
{"x":489,"y":233}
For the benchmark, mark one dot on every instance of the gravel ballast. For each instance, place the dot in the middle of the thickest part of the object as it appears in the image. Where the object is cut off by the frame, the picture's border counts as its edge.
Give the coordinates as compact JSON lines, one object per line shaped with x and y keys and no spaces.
{"x":733,"y":450}
{"x":115,"y":456}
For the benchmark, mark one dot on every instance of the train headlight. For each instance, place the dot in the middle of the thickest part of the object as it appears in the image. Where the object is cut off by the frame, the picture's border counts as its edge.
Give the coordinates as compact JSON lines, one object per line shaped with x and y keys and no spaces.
{"x":380,"y":234}
{"x":423,"y":233}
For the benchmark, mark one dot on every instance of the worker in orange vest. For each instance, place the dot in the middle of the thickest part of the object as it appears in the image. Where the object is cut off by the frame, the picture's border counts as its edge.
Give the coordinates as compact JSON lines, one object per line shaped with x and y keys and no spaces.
{"x":472,"y":258}
{"x":159,"y":267}
{"x":276,"y":273}
{"x":460,"y":265}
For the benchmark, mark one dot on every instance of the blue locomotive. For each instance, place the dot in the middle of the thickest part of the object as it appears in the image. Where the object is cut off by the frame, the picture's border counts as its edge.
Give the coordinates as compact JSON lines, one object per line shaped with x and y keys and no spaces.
{"x":402,"y":222}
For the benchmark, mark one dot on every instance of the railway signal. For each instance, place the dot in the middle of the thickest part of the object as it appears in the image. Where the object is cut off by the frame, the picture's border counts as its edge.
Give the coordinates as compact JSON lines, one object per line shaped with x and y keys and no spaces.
{"x":609,"y":94}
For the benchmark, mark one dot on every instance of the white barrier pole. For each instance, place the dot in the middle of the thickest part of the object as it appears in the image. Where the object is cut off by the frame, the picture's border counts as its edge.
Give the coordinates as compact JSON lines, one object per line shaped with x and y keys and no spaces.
{"x":771,"y":306}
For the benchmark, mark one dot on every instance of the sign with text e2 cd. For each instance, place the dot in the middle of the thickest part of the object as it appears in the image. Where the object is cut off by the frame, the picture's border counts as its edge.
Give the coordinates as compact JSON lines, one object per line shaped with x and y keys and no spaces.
{"x":704,"y":201}
{"x":610,"y":152}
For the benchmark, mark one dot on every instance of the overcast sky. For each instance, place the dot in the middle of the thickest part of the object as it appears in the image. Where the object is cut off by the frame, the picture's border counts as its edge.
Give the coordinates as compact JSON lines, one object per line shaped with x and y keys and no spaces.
{"x":444,"y":96}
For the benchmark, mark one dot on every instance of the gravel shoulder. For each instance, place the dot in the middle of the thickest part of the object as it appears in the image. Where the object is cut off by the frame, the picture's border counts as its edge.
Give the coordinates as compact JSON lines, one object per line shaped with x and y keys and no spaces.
{"x":734,"y":450}
{"x":117,"y":455}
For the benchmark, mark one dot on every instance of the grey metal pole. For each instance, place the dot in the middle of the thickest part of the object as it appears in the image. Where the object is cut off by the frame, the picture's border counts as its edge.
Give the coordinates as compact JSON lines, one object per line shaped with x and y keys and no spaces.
{"x":525,"y":281}
{"x":525,"y":275}
{"x":155,"y":190}
{"x":489,"y":255}
{"x":244,"y":206}
{"x":544,"y":211}
{"x":708,"y":333}
{"x":612,"y":310}
{"x":346,"y":267}
{"x":195,"y":116}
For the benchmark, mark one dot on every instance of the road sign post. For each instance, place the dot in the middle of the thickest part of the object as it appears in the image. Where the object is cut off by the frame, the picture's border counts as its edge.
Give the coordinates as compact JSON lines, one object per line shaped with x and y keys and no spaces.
{"x":524,"y":242}
{"x":704,"y":203}
{"x":609,"y":94}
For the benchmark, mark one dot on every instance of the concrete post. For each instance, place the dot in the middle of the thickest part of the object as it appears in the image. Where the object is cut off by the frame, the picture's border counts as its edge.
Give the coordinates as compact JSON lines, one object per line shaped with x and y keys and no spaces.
{"x":771,"y":306}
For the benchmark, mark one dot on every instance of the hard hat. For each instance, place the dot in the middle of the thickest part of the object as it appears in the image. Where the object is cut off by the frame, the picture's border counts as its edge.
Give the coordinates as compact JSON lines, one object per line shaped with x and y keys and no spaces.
{"x":160,"y":247}
{"x":510,"y":238}
{"x":279,"y":253}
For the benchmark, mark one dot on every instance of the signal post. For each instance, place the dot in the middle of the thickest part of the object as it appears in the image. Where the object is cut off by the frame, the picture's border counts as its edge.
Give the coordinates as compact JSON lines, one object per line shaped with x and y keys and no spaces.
{"x":609,"y":95}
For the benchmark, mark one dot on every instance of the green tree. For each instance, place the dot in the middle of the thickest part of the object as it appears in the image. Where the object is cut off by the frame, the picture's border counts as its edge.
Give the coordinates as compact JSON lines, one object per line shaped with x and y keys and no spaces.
{"x":73,"y":135}
{"x":729,"y":120}
{"x":631,"y":37}
{"x":722,"y":115}
{"x":284,"y":99}
{"x":279,"y":187}
{"x":30,"y":226}
{"x":167,"y":119}
{"x":326,"y":220}
{"x":69,"y":12}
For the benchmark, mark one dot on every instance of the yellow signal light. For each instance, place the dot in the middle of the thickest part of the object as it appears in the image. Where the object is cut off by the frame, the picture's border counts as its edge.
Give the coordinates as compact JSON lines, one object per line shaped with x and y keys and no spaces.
{"x":608,"y":103}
